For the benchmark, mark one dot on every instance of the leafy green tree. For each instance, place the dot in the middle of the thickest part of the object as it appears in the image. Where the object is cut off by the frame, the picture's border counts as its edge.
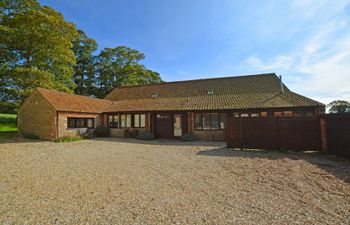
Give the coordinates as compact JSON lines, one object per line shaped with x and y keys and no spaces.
{"x":35,"y":50}
{"x":120,"y":66}
{"x":339,"y":106}
{"x":84,"y":77}
{"x":8,"y":7}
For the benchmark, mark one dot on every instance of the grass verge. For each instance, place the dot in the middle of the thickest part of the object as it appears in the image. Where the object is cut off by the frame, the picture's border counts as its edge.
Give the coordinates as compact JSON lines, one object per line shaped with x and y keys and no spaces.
{"x":8,"y":122}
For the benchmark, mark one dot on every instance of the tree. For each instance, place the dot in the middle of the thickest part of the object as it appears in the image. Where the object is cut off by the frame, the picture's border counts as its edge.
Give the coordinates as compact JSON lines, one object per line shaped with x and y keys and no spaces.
{"x":8,"y":7}
{"x":84,"y":77}
{"x":339,"y":106}
{"x":35,"y":50}
{"x":120,"y":66}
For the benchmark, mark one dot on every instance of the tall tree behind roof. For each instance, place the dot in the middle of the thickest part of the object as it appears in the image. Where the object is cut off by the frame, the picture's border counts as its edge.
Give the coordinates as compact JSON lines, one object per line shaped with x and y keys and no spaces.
{"x":84,"y":76}
{"x":35,"y":50}
{"x":120,"y":66}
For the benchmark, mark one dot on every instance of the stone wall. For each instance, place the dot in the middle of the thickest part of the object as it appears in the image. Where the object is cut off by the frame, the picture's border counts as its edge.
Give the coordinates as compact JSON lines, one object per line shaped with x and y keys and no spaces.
{"x":37,"y":117}
{"x":64,"y":131}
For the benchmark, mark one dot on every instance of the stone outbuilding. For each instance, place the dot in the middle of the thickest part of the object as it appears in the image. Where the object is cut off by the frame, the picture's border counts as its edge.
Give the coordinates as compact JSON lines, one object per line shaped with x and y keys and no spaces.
{"x":51,"y":114}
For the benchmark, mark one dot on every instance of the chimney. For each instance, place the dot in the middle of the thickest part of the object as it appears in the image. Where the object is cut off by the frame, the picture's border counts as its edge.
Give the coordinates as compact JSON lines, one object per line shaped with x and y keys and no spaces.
{"x":281,"y":84}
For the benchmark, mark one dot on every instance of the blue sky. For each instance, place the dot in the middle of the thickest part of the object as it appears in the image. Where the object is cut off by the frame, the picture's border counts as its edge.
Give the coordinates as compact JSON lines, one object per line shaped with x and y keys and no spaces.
{"x":305,"y":41}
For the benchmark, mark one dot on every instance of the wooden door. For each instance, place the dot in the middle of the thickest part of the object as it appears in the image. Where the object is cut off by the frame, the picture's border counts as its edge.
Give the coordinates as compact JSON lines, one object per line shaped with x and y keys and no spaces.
{"x":164,"y":126}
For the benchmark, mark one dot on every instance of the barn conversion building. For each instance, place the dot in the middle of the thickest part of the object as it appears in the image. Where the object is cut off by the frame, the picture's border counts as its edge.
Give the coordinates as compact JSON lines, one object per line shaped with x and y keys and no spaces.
{"x":168,"y":110}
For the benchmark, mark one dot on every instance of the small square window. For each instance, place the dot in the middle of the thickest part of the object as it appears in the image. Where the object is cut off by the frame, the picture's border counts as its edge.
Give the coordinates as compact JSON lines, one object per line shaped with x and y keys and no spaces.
{"x":288,"y":113}
{"x":254,"y":115}
{"x":244,"y":115}
{"x":71,"y":123}
{"x":263,"y":114}
{"x":277,"y":114}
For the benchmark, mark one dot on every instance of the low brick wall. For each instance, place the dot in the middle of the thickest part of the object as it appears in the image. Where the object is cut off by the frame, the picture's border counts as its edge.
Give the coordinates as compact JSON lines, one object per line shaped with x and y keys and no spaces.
{"x":119,"y":132}
{"x":209,"y":135}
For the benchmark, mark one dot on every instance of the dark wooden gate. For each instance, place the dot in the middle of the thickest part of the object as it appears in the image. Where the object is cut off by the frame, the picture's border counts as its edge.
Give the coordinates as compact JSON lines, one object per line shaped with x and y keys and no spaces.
{"x":338,"y":134}
{"x":164,"y":126}
{"x":294,"y":133}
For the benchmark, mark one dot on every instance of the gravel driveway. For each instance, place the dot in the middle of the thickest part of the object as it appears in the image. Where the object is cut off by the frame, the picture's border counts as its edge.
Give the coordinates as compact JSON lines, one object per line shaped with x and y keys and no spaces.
{"x":116,"y":181}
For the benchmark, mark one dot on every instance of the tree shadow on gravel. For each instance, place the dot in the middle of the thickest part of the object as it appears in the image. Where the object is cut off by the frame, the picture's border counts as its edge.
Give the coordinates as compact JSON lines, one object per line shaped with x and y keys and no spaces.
{"x":334,"y":165}
{"x":14,"y":137}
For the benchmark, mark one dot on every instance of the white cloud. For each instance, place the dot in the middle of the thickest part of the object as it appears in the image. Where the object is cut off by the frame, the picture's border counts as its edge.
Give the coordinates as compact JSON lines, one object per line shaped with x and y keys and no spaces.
{"x":322,"y":62}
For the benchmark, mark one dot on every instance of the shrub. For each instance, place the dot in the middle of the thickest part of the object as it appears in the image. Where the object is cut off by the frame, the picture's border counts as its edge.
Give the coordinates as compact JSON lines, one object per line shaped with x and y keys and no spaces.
{"x":102,"y":132}
{"x":187,"y":137}
{"x":68,"y":139}
{"x":30,"y":136}
{"x":145,"y":136}
{"x":283,"y":150}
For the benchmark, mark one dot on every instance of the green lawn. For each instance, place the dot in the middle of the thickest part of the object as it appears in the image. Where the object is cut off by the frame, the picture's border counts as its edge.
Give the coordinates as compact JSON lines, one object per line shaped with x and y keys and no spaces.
{"x":8,"y":122}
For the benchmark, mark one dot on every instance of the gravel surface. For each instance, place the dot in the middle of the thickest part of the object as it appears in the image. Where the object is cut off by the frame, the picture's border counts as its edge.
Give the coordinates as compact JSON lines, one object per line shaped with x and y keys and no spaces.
{"x":120,"y":181}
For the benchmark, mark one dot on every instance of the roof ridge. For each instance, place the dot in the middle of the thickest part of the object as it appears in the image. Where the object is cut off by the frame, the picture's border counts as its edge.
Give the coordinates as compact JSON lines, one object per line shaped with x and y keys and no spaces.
{"x":73,"y":94}
{"x":199,"y":79}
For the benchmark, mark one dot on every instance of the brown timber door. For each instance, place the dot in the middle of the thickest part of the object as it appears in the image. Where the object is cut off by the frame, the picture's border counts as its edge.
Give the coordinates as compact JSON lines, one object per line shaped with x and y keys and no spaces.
{"x":164,"y":126}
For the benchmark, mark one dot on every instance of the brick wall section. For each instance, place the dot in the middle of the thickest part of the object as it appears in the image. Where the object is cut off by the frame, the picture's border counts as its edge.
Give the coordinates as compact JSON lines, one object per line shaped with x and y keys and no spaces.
{"x":209,"y":135}
{"x":64,"y":131}
{"x":38,"y":117}
{"x":119,"y":132}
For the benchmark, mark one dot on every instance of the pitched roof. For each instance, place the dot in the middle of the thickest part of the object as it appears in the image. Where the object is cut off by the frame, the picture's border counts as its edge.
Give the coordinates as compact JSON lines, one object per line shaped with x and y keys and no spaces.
{"x":62,"y":101}
{"x":243,"y":92}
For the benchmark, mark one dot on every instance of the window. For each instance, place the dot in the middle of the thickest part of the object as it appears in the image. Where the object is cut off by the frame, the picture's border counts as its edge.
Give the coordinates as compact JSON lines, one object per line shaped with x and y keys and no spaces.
{"x":122,"y":121}
{"x":80,"y":122}
{"x":125,"y":121}
{"x":210,"y":121}
{"x":263,"y":114}
{"x":288,"y":113}
{"x":143,"y":120}
{"x":113,"y":121}
{"x":136,"y":120}
{"x":198,"y":121}
{"x":116,"y":120}
{"x":215,"y":121}
{"x":163,"y":116}
{"x":71,"y":122}
{"x":90,"y":123}
{"x":254,"y":115}
{"x":222,"y":120}
{"x":277,"y":114}
{"x":140,"y":120}
{"x":244,"y":115}
{"x":235,"y":114}
{"x":206,"y":121}
{"x":128,"y":120}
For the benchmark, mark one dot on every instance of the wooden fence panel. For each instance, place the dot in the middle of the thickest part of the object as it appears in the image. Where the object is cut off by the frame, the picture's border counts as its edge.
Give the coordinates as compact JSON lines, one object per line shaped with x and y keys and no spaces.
{"x":294,"y":133}
{"x":338,"y":134}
